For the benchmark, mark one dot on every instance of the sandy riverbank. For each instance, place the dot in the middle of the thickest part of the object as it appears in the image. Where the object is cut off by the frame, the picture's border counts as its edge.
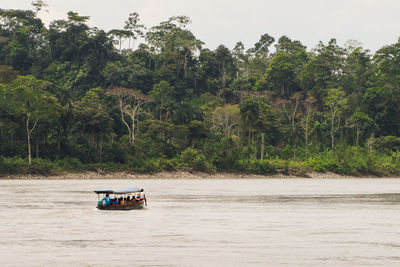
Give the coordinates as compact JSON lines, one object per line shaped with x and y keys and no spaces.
{"x":168,"y":175}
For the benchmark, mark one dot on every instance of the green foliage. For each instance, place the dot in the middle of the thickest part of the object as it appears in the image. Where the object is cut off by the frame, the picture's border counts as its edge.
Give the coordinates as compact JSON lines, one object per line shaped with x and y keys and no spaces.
{"x":355,"y":161}
{"x":70,"y":164}
{"x":7,"y":74}
{"x":148,"y":165}
{"x":88,"y":100}
{"x":255,"y":166}
{"x":387,"y":144}
{"x":194,"y":159}
{"x":13,"y":165}
{"x":17,"y":165}
{"x":168,"y":164}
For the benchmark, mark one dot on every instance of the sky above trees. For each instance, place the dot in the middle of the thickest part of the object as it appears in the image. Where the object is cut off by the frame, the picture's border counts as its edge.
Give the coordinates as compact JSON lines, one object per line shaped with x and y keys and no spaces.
{"x":373,"y":23}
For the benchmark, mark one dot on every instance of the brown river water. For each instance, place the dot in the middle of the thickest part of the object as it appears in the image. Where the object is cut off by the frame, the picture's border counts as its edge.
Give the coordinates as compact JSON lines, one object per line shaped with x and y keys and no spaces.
{"x":210,"y":222}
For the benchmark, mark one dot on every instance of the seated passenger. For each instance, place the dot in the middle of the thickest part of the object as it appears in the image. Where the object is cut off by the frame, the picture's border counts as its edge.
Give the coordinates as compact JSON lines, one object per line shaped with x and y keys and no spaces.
{"x":107,"y":200}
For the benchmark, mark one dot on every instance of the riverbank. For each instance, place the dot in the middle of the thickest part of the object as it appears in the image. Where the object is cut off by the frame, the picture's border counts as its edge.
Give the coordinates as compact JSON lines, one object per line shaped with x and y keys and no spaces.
{"x":330,"y":164}
{"x":171,"y":175}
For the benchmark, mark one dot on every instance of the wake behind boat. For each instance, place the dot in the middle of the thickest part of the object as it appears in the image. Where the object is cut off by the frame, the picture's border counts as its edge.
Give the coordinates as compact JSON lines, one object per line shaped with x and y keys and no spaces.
{"x":125,"y":199}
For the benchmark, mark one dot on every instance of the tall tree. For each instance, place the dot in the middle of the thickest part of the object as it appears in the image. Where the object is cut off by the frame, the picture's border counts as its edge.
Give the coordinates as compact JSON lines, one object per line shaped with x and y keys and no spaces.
{"x":261,"y":48}
{"x":309,"y":109}
{"x":336,"y":101}
{"x":292,"y":110}
{"x":226,"y":118}
{"x":161,"y":92}
{"x":27,"y":98}
{"x":134,"y":27}
{"x":324,"y":70}
{"x":93,"y":120}
{"x":129,"y":102}
{"x":225,"y":63}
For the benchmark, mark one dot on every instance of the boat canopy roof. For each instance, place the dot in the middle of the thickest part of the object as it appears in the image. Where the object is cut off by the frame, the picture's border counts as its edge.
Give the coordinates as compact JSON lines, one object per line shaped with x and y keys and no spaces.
{"x":127,"y":190}
{"x":122,"y":191}
{"x":103,"y":191}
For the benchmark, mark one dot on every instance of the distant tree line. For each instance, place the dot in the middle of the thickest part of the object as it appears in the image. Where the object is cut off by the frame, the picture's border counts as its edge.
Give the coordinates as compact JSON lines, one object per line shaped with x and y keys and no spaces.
{"x":150,"y":99}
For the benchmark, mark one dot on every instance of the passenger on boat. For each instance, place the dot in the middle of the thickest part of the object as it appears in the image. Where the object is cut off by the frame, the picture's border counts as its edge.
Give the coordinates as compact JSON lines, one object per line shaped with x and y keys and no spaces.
{"x":122,"y":201}
{"x":142,"y":196}
{"x":137,"y":196}
{"x":115,"y":201}
{"x":107,"y":200}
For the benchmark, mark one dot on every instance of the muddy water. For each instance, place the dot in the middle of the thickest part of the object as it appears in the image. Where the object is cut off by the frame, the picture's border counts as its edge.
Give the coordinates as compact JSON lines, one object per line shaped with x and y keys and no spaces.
{"x":298,"y":222}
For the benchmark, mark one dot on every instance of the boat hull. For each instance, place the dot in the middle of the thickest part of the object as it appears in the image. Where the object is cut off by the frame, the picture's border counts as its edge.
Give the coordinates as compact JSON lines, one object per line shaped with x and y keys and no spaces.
{"x":134,"y":206}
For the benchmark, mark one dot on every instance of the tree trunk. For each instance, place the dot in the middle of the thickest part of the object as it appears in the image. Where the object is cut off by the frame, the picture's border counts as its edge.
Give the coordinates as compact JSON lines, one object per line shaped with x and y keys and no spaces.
{"x":101,"y":148}
{"x":29,"y":147}
{"x":306,"y":137}
{"x":59,"y":140}
{"x":249,"y":137}
{"x":358,"y":134}
{"x":332,"y":131}
{"x":254,"y":144}
{"x":185,"y":65}
{"x":160,"y":111}
{"x":123,"y":120}
{"x":90,"y":143}
{"x":51,"y":54}
{"x":223,"y":78}
{"x":37,"y":147}
{"x":133,"y":131}
{"x":28,"y":135}
{"x":262,"y":146}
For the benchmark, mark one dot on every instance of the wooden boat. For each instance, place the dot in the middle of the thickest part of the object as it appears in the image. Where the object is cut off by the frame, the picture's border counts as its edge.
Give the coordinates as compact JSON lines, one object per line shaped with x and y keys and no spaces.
{"x":134,"y":204}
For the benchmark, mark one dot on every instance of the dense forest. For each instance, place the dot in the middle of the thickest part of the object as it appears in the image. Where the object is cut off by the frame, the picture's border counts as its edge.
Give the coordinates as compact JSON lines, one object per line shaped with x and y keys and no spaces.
{"x":146,"y":99}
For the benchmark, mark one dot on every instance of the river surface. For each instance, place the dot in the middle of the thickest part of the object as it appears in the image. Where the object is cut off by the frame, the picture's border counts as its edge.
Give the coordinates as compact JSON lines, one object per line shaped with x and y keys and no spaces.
{"x":211,"y":222}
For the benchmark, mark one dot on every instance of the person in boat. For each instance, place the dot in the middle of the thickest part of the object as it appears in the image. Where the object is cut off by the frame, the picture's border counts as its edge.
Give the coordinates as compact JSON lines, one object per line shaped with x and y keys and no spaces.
{"x":142,"y":196}
{"x":107,"y":200}
{"x":121,"y":201}
{"x":128,"y":200}
{"x":115,"y":201}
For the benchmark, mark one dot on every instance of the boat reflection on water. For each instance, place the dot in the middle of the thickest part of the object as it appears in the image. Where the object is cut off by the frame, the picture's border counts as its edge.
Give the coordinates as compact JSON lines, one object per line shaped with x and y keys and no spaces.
{"x":125,"y":199}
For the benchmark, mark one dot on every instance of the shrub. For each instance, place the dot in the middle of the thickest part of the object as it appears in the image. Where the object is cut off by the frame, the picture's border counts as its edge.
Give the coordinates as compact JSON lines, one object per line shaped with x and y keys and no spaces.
{"x":387,"y":144}
{"x":106,"y":166}
{"x":70,"y":164}
{"x":43,"y":166}
{"x":256,"y":166}
{"x":13,"y":165}
{"x":201,"y":164}
{"x":145,"y":165}
{"x":355,"y":161}
{"x":189,"y":156}
{"x":168,"y":164}
{"x":193,"y":159}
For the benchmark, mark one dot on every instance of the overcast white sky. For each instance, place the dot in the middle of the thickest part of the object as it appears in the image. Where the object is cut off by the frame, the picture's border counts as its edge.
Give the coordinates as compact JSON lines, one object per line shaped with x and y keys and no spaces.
{"x":374,"y":23}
